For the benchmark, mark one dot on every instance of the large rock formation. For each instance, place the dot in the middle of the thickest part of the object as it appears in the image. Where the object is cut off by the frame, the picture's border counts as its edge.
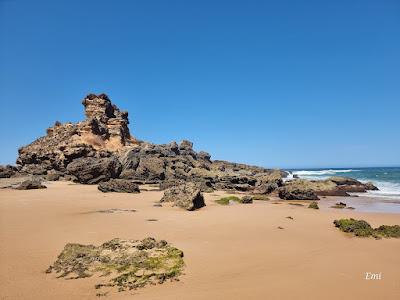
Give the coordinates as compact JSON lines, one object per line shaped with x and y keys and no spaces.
{"x":101,"y":147}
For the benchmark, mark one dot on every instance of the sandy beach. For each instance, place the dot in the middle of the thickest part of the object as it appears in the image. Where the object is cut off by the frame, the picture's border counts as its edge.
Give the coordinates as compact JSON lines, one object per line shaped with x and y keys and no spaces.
{"x":231,"y":252}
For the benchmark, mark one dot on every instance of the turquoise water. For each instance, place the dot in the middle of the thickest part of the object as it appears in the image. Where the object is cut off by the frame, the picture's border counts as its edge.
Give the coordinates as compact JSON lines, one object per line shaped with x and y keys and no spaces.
{"x":386,"y":179}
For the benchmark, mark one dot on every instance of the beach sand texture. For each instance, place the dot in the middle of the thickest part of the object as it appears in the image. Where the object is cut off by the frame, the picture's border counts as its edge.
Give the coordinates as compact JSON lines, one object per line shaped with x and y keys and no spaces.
{"x":231,"y":252}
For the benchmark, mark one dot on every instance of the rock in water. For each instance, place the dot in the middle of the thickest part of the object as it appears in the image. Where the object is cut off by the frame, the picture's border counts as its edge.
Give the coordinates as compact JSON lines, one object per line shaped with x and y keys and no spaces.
{"x":118,"y":185}
{"x":31,"y":184}
{"x":92,"y":170}
{"x":187,"y":196}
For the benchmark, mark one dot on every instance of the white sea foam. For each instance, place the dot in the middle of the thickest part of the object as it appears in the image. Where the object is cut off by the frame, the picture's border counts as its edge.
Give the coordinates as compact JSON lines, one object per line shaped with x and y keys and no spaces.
{"x":321,"y":172}
{"x":386,"y":190}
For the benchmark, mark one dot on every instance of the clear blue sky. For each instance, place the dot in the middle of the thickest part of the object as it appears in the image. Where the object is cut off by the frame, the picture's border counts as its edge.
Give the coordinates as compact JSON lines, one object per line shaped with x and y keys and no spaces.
{"x":273,"y":83}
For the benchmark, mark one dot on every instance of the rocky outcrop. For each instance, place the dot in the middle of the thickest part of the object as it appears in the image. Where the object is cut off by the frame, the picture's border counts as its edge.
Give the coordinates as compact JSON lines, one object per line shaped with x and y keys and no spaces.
{"x":103,"y":132}
{"x":7,"y":171}
{"x":187,"y":196}
{"x":119,"y":186}
{"x":83,"y":150}
{"x":334,"y":186}
{"x":92,"y":170}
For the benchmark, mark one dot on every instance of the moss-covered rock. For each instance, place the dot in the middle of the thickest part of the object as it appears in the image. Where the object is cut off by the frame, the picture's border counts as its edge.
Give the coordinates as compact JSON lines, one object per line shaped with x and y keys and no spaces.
{"x":122,"y":264}
{"x":362,"y":229}
{"x":227,"y":200}
{"x":313,"y":205}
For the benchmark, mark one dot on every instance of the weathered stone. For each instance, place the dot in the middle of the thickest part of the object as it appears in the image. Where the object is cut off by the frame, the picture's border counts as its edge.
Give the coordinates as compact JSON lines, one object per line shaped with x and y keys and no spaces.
{"x":94,"y":170}
{"x":187,"y":196}
{"x":7,"y":171}
{"x":118,"y":185}
{"x":297,"y":194}
{"x":246,"y":199}
{"x":31,"y":184}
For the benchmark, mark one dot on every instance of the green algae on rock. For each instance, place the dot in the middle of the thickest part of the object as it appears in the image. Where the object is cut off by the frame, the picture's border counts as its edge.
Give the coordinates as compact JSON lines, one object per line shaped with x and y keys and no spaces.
{"x":313,"y":205}
{"x":123,"y":264}
{"x":362,"y":228}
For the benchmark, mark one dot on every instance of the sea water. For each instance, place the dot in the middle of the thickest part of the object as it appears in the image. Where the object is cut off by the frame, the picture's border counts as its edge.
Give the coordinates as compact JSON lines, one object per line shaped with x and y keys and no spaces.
{"x":386,"y":179}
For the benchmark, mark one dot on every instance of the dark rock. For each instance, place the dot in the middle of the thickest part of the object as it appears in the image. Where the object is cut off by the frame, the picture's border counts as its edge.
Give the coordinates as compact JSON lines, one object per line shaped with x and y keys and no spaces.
{"x":266,"y":188}
{"x":53,"y":175}
{"x":94,"y":170}
{"x":297,"y":194}
{"x":187,"y":196}
{"x":31,"y":184}
{"x":118,"y":185}
{"x":246,"y":199}
{"x":7,"y":171}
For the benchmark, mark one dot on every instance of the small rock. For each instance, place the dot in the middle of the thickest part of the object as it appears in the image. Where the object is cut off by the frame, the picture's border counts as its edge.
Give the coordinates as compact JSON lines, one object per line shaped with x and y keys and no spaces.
{"x":119,"y":186}
{"x":246,"y":199}
{"x":31,"y":184}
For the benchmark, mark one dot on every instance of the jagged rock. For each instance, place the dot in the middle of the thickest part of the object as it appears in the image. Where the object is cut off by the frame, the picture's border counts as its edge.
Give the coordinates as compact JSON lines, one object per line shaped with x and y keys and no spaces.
{"x":105,"y":134}
{"x":94,"y":170}
{"x":31,"y":184}
{"x":53,"y":175}
{"x":288,"y":193}
{"x":187,"y":196}
{"x":266,"y":188}
{"x":7,"y":171}
{"x":104,"y":130}
{"x":118,"y":185}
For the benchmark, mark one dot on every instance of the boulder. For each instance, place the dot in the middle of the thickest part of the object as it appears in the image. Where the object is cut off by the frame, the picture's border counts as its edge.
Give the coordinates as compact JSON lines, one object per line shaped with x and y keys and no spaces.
{"x":92,"y":170}
{"x":246,"y":199}
{"x":31,"y":184}
{"x":265,"y":188}
{"x":187,"y":196}
{"x":118,"y":185}
{"x":297,"y":194}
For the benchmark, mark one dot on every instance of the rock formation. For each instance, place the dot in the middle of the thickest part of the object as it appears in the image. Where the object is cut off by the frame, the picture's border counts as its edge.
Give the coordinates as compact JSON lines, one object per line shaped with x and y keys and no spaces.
{"x":101,"y":147}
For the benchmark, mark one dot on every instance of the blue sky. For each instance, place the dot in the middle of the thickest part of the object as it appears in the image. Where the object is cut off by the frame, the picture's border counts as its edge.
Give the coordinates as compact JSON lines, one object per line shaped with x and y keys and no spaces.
{"x":273,"y":83}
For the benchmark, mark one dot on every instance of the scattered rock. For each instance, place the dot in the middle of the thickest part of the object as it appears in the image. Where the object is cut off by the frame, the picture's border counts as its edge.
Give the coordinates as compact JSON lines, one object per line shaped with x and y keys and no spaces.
{"x":187,"y":196}
{"x":313,"y":205}
{"x":339,"y":205}
{"x":279,"y":227}
{"x":31,"y":184}
{"x":246,"y":199}
{"x":289,"y":217}
{"x":152,"y":220}
{"x":118,"y":185}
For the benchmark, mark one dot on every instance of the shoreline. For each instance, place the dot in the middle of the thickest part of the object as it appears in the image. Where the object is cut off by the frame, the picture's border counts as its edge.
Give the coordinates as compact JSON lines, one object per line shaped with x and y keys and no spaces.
{"x":234,"y":251}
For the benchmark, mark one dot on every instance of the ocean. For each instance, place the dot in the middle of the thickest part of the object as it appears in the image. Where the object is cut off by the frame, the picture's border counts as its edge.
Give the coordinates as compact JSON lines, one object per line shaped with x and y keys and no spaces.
{"x":386,"y":179}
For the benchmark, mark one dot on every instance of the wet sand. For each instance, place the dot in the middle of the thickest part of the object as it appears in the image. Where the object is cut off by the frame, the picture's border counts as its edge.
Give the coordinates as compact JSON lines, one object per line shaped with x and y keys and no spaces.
{"x":231,"y":252}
